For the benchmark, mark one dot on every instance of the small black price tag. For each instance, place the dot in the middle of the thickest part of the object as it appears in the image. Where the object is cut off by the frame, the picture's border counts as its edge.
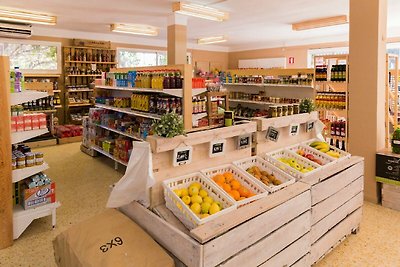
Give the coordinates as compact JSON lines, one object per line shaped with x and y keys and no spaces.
{"x":309,"y":126}
{"x":272,"y":134}
{"x":217,"y":148}
{"x":244,"y":141}
{"x":182,"y":156}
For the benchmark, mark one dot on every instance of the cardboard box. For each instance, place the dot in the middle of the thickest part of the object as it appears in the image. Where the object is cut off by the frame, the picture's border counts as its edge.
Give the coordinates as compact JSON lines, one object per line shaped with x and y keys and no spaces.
{"x":20,"y":123}
{"x":27,"y":122}
{"x":38,"y":196}
{"x":13,"y":124}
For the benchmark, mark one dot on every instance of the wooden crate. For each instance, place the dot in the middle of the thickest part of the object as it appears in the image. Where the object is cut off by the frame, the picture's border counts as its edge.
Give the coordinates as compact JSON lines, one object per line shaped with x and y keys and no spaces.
{"x":336,"y":199}
{"x":391,"y":196}
{"x":273,"y":231}
{"x":68,"y":140}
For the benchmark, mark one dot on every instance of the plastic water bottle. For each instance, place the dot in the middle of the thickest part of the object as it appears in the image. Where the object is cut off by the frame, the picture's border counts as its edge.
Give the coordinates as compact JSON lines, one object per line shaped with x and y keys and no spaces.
{"x":18,"y":80}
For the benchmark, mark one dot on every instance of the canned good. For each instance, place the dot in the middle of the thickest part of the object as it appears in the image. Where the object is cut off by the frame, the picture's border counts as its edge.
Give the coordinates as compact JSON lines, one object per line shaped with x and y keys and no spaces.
{"x":273,"y":111}
{"x":296,"y":108}
{"x":14,"y":162}
{"x":20,"y":161}
{"x":38,"y":158}
{"x":30,"y":159}
{"x":279,"y":110}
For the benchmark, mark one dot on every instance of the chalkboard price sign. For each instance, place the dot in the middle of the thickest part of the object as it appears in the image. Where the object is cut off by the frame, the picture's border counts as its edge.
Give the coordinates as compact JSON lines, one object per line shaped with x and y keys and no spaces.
{"x":294,"y":129}
{"x":182,"y":156}
{"x":217,"y":148}
{"x":244,"y":141}
{"x":309,"y":126}
{"x":272,"y":134}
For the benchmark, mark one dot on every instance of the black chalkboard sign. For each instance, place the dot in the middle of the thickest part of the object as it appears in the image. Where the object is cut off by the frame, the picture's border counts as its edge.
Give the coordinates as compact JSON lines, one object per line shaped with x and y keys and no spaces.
{"x":244,"y":141}
{"x":387,"y":167}
{"x":217,"y":148}
{"x":182,"y":156}
{"x":309,"y":126}
{"x":272,"y":134}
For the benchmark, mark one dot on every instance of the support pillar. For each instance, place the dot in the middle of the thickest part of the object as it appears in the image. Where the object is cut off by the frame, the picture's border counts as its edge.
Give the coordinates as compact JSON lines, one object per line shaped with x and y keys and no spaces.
{"x":367,"y":60}
{"x":177,"y":39}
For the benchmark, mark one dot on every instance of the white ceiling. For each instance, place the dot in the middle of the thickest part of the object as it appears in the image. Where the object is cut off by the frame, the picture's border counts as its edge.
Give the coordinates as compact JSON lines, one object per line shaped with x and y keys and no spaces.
{"x":252,"y":24}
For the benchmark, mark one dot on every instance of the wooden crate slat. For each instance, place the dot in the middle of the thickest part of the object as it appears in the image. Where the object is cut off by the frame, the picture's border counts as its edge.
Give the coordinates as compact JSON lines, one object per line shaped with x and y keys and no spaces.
{"x":327,"y":223}
{"x":335,"y":236}
{"x":181,"y":245}
{"x":228,"y":221}
{"x":303,"y":262}
{"x":330,"y":204}
{"x":391,"y":205}
{"x":291,"y":254}
{"x":244,"y":235}
{"x":390,"y":187}
{"x":331,"y":170}
{"x":334,"y":184}
{"x":391,"y":196}
{"x":273,"y":243}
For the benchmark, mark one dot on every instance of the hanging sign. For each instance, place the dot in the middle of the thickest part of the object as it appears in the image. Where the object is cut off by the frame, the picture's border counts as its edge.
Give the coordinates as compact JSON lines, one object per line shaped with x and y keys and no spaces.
{"x":243,"y":141}
{"x":217,"y":148}
{"x":272,"y":134}
{"x":309,"y":126}
{"x":182,"y":156}
{"x":294,"y":129}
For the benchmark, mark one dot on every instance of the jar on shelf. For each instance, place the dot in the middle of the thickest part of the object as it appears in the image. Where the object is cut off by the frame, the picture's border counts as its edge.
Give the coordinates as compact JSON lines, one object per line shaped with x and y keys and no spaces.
{"x":296,"y":108}
{"x":273,"y":111}
{"x":290,"y":109}
{"x":279,"y":111}
{"x":284,"y":110}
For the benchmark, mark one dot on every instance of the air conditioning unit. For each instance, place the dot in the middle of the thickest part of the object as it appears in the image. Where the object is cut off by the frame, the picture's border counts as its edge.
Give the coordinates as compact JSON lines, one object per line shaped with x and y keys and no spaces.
{"x":15,"y":30}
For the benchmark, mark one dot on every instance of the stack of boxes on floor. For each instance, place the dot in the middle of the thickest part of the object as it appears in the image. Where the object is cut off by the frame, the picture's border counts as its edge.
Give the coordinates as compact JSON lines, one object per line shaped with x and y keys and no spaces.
{"x":35,"y":190}
{"x":64,"y":131}
{"x":111,"y":142}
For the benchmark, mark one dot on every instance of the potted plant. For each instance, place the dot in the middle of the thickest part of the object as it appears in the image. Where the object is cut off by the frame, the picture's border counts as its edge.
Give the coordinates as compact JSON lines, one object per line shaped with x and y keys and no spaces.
{"x":170,"y":125}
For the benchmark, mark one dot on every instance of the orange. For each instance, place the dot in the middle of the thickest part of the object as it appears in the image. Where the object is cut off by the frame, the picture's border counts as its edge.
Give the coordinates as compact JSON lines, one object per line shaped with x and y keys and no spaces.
{"x":219,"y":178}
{"x":228,"y":177}
{"x":251,"y":194}
{"x":235,"y":194}
{"x":235,"y":184}
{"x":243,"y":191}
{"x":241,"y":198}
{"x":227,"y":188}
{"x":220,"y":184}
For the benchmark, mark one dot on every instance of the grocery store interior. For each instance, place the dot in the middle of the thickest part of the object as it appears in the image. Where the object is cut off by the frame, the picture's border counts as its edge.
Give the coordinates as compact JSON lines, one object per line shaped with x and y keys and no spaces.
{"x":199,"y":133}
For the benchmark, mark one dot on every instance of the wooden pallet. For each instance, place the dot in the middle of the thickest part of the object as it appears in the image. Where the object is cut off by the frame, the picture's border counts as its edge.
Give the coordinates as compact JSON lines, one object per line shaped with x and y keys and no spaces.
{"x":42,"y":143}
{"x":391,"y":196}
{"x":68,"y":140}
{"x":336,"y":199}
{"x":273,"y":231}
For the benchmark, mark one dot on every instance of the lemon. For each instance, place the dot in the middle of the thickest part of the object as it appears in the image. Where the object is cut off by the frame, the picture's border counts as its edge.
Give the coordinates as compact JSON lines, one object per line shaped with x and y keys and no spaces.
{"x":196,"y":199}
{"x":203,"y":193}
{"x":196,"y":208}
{"x":205,"y":206}
{"x":178,"y":192}
{"x":205,"y":215}
{"x":208,"y":199}
{"x":186,"y":200}
{"x":193,"y":190}
{"x":219,"y":205}
{"x":214,"y":208}
{"x":196,"y":184}
{"x":184,"y":192}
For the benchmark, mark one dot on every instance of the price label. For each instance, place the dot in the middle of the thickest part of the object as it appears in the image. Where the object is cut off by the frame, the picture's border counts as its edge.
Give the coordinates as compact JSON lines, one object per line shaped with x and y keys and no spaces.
{"x":217,"y":148}
{"x":294,"y":129}
{"x":244,"y":141}
{"x":182,"y":156}
{"x":309,"y":126}
{"x":272,"y":134}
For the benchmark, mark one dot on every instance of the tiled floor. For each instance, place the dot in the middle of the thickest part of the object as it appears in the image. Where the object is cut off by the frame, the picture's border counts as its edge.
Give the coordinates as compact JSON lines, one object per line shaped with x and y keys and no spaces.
{"x":82,"y":187}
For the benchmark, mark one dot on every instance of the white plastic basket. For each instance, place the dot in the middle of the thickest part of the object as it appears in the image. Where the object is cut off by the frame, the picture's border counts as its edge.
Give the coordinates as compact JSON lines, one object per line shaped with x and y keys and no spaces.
{"x":182,"y":211}
{"x":283,"y":153}
{"x":324,"y":158}
{"x":268,"y":167}
{"x":247,"y":181}
{"x":343,"y":154}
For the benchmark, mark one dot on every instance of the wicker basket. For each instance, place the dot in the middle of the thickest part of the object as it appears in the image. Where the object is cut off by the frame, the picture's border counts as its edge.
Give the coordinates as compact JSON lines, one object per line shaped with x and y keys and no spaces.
{"x":268,"y":167}
{"x":283,"y":153}
{"x":324,"y":158}
{"x":182,"y":211}
{"x":343,"y":154}
{"x":247,"y":181}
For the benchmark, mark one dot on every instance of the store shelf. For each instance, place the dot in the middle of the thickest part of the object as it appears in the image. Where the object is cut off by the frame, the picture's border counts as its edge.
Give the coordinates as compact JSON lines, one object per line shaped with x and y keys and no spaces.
{"x":84,"y":75}
{"x":198,"y":116}
{"x":57,"y":106}
{"x":329,"y":82}
{"x":23,"y":218}
{"x":20,"y":174}
{"x":80,"y":90}
{"x":90,"y":62}
{"x":80,"y":105}
{"x":130,"y":112}
{"x":173,"y":92}
{"x":18,"y":137}
{"x":252,"y":102}
{"x":26,"y":96}
{"x":56,"y":91}
{"x":41,"y":111}
{"x":118,"y":132}
{"x":33,"y":75}
{"x":270,"y":85}
{"x":101,"y":151}
{"x":246,"y":118}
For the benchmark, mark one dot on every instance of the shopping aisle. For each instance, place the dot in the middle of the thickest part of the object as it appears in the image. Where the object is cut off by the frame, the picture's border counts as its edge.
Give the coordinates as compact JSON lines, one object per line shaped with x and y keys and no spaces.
{"x":82,"y":187}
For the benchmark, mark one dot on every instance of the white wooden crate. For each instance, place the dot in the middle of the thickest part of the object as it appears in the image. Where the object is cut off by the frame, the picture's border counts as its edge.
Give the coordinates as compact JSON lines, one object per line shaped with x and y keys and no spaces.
{"x":343,"y":154}
{"x":324,"y":158}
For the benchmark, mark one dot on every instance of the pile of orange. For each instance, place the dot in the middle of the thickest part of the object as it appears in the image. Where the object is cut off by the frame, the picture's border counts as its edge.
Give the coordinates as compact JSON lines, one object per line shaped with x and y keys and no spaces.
{"x":232,"y":186}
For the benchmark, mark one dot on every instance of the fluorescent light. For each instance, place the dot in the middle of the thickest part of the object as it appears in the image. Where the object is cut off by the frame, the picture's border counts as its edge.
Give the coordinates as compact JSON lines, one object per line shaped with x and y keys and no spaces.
{"x":23,"y":16}
{"x":199,"y":11}
{"x":212,"y":40}
{"x":138,"y":29}
{"x":319,"y":23}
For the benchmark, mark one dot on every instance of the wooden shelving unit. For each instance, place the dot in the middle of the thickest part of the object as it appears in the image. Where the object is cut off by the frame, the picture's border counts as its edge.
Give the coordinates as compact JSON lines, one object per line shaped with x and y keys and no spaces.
{"x":82,"y":65}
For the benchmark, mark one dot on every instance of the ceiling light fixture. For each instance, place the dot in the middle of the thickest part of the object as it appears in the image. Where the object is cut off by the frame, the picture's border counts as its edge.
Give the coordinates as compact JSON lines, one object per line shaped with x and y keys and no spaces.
{"x":138,"y":29}
{"x":212,"y":40}
{"x":199,"y":11}
{"x":24,"y":16}
{"x":319,"y":23}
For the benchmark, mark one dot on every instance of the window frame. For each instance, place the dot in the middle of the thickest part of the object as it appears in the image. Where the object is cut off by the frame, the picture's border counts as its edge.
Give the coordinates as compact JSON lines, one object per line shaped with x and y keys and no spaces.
{"x":43,"y":43}
{"x":325,"y":51}
{"x":139,"y":51}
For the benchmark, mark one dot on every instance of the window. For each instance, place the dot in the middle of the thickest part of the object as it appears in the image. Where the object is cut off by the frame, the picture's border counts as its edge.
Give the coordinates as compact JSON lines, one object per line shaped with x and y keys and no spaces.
{"x":128,"y":58}
{"x":32,"y":56}
{"x":311,"y":53}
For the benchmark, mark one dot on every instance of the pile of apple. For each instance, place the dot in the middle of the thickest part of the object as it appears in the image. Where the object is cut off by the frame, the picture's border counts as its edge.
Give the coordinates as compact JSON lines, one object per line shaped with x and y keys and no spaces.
{"x":295,"y":165}
{"x":311,"y":157}
{"x":198,"y":200}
